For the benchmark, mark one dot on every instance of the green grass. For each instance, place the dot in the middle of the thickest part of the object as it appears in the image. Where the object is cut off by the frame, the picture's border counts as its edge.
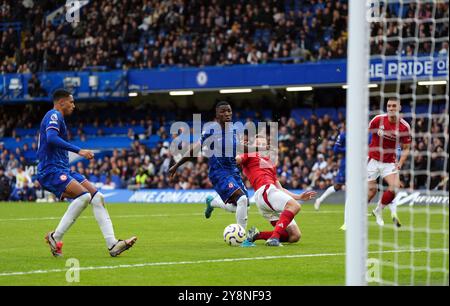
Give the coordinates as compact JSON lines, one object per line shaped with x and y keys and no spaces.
{"x":171,"y":234}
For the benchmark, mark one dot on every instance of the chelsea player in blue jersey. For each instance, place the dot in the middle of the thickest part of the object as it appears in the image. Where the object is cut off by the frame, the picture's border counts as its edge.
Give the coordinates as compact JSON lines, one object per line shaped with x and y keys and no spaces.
{"x":55,"y":176}
{"x":223,"y":171}
{"x":339,"y":180}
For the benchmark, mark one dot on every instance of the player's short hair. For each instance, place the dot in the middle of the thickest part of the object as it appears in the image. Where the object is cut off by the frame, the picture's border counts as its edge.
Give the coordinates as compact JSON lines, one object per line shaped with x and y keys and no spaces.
{"x":60,"y":94}
{"x":393,"y":99}
{"x":222,"y":103}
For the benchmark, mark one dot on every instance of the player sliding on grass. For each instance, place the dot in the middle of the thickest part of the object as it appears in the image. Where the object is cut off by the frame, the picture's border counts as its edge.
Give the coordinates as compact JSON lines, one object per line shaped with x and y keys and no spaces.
{"x":278,"y":205}
{"x":388,"y":131}
{"x":54,"y":175}
{"x":223,"y":171}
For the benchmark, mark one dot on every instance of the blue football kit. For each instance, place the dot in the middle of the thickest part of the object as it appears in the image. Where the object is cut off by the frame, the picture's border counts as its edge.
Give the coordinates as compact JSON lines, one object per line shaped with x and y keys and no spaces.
{"x":220,"y":146}
{"x":339,"y":148}
{"x":53,"y":171}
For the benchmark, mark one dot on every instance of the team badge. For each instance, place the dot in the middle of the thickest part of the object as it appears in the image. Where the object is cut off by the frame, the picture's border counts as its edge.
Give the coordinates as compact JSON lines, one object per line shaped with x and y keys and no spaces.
{"x":63,"y":177}
{"x":230,"y":185}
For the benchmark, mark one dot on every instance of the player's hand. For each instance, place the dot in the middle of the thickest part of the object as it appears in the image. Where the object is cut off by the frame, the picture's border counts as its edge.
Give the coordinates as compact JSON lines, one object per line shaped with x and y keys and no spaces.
{"x":308,"y":195}
{"x":399,"y":166}
{"x":88,"y":154}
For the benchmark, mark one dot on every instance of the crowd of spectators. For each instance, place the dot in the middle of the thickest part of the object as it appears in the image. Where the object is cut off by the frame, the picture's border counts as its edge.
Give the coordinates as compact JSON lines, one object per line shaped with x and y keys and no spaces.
{"x":176,"y":33}
{"x":152,"y":33}
{"x":306,"y":161}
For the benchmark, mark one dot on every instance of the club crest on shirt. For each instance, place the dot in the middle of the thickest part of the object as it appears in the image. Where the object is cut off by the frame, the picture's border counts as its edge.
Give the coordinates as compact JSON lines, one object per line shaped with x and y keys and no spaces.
{"x":230,"y":185}
{"x":63,"y":177}
{"x":381,"y":131}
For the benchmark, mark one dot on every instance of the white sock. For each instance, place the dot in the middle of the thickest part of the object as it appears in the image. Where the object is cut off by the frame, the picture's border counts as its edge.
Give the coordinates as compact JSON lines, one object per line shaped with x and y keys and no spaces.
{"x":327,"y":192}
{"x":393,"y":207}
{"x":242,"y":211}
{"x":73,"y":212}
{"x":380,"y":206}
{"x":103,"y":219}
{"x":217,"y":202}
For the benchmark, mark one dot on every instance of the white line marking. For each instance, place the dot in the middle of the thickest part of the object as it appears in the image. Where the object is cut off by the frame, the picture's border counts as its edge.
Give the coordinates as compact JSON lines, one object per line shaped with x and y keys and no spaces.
{"x":152,"y":215}
{"x":152,"y":264}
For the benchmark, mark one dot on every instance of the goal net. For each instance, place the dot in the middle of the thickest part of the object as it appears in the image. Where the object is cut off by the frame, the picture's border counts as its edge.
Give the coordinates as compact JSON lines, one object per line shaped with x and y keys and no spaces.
{"x":408,"y":47}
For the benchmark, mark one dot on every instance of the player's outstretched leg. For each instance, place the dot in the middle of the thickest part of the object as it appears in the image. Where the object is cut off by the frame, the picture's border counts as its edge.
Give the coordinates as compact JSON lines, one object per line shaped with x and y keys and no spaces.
{"x":209,"y":209}
{"x":394,"y":215}
{"x":330,"y":190}
{"x":241,"y":201}
{"x":81,"y":198}
{"x":216,"y":202}
{"x":290,"y":210}
{"x":242,"y":211}
{"x":115,"y":246}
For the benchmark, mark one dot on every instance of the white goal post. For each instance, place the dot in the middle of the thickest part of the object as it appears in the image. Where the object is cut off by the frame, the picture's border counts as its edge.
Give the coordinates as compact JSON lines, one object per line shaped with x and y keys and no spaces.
{"x":356,"y":125}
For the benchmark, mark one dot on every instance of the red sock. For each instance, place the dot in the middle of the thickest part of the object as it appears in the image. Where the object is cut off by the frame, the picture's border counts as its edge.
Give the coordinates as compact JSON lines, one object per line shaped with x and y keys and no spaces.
{"x":285,"y":219}
{"x":284,"y":237}
{"x":387,"y":198}
{"x":264,"y":235}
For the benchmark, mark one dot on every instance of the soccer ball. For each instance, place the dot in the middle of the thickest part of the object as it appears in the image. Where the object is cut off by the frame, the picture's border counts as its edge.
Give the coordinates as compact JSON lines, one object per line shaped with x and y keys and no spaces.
{"x":234,"y":234}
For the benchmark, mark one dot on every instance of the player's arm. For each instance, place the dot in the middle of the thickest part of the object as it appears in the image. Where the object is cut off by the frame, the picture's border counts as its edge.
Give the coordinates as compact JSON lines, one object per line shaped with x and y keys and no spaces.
{"x":305,"y":196}
{"x":406,"y":148}
{"x":339,"y":146}
{"x":239,"y":159}
{"x":55,"y":140}
{"x":190,"y":155}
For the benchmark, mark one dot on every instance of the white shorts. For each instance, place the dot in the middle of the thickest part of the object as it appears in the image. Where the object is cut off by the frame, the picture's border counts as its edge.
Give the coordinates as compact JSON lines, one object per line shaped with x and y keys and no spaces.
{"x":375,"y":169}
{"x":276,"y":201}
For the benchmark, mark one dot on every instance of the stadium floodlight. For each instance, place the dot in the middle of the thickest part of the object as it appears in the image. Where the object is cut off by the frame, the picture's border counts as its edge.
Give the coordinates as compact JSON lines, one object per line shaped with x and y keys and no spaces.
{"x":181,"y":93}
{"x":357,"y":131}
{"x":133,"y":94}
{"x":299,"y":88}
{"x":429,"y":83}
{"x":236,"y":90}
{"x":368,"y":86}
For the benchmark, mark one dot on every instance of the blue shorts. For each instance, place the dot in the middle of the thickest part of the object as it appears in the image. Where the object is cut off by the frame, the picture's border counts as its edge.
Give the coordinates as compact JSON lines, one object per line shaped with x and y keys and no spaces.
{"x":56,"y":181}
{"x":225,"y":184}
{"x":340,"y":177}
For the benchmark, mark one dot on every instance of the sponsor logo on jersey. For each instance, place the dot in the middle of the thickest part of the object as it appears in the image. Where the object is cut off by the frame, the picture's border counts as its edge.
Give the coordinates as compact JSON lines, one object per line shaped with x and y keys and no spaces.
{"x":54,"y":117}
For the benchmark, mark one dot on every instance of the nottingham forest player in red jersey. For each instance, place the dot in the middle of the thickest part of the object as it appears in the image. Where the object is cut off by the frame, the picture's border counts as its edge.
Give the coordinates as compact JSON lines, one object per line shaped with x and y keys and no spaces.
{"x":388,"y":132}
{"x":278,"y":205}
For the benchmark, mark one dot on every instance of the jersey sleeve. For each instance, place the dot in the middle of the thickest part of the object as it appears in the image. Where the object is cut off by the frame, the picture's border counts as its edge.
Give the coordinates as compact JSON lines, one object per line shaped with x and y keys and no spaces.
{"x":53,"y":122}
{"x":374,"y":123}
{"x":339,"y":146}
{"x":244,"y":158}
{"x":406,"y":137}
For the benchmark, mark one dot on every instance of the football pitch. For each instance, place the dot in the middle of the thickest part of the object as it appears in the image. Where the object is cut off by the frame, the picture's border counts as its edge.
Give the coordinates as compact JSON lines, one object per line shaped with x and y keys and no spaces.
{"x":178,"y":246}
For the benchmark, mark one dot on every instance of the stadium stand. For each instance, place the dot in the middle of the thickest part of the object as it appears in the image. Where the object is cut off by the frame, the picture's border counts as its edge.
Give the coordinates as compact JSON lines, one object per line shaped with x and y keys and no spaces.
{"x":141,"y":159}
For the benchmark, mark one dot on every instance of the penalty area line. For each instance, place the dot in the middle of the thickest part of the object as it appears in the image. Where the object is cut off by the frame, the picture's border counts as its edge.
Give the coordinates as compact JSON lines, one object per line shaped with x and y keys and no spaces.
{"x":174,"y":263}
